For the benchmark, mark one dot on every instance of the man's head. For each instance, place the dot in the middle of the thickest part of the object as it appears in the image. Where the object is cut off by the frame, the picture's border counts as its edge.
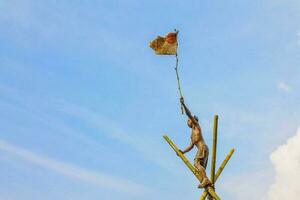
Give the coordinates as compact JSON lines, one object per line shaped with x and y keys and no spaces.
{"x":190,"y":122}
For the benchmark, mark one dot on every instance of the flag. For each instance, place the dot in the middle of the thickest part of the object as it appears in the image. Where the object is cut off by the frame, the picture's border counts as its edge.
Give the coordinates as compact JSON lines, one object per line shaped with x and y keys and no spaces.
{"x":165,"y":45}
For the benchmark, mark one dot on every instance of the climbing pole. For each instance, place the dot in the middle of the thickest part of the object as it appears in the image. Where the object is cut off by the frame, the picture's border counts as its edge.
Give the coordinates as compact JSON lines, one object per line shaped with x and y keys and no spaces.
{"x":210,"y":190}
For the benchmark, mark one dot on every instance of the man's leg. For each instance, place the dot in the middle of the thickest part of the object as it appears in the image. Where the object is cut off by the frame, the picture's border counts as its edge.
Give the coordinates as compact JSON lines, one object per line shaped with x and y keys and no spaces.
{"x":201,"y":170}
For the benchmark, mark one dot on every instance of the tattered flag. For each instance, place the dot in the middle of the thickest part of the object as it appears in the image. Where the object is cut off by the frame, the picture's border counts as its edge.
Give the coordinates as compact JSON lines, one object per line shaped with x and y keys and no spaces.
{"x":165,"y":45}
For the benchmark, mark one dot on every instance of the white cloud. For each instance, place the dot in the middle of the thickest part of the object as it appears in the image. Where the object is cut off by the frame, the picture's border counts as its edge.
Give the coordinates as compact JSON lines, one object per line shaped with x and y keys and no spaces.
{"x":283,"y":86}
{"x":286,"y":161}
{"x":102,"y":180}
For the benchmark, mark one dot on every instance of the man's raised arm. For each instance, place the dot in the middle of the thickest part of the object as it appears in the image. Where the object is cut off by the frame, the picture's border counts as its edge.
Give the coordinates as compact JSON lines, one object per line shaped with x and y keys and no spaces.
{"x":187,"y":111}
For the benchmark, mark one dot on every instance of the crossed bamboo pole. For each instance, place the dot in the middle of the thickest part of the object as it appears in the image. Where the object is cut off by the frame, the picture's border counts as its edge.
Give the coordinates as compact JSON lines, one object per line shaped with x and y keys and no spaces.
{"x":222,"y":166}
{"x":210,"y":190}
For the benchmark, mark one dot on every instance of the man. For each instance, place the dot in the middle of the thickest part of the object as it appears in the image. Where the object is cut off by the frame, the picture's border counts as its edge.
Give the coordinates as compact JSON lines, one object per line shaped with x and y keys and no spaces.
{"x":197,"y":140}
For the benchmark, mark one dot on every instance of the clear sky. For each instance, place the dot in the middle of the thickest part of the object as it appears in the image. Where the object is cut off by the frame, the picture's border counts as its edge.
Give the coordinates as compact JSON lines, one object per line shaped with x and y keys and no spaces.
{"x":84,"y":101}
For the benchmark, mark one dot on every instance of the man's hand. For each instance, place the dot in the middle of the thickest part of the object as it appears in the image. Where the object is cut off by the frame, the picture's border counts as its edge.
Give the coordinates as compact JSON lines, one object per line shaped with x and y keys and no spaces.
{"x":181,"y":100}
{"x":180,"y":152}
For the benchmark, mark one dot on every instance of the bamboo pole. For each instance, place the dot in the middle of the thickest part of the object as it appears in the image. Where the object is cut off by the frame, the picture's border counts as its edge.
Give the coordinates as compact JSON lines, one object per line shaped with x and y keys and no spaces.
{"x":224,"y":163}
{"x":220,"y":170}
{"x":214,"y":150}
{"x":183,"y":158}
{"x":209,"y":189}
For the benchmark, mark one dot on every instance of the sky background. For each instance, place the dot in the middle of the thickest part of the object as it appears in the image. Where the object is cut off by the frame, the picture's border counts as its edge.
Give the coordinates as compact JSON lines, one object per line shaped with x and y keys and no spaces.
{"x":84,"y":101}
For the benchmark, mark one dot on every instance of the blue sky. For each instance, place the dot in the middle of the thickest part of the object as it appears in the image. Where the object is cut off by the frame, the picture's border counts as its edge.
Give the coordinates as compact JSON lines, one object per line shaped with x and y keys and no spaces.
{"x":84,"y":101}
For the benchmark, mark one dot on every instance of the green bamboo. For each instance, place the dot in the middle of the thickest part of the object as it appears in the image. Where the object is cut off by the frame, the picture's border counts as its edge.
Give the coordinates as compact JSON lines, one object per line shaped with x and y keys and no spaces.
{"x":191,"y":167}
{"x":183,"y":158}
{"x":220,"y":170}
{"x":214,"y":150}
{"x":204,"y":195}
{"x":224,"y":163}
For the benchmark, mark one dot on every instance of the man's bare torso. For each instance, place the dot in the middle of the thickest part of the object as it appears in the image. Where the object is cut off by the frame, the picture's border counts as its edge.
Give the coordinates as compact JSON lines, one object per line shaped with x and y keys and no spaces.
{"x":197,"y":140}
{"x":196,"y":136}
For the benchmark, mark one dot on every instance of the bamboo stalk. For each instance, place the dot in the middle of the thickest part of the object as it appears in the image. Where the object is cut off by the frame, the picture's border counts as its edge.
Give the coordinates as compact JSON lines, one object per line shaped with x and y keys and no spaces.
{"x":183,"y":158}
{"x":220,"y":170}
{"x":224,"y":163}
{"x":214,"y":150}
{"x":210,"y":190}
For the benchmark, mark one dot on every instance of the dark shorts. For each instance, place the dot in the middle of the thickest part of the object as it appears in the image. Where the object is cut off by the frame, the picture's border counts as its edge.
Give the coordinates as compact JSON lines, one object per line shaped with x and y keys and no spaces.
{"x":201,"y":157}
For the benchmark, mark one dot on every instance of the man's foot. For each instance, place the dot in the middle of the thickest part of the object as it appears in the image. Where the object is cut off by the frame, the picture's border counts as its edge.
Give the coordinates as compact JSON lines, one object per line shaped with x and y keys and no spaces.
{"x":210,"y":197}
{"x":205,"y":182}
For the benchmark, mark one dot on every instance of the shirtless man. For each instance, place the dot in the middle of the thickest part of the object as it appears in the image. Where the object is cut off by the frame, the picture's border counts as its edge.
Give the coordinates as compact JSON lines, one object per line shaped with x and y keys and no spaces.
{"x":200,"y":160}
